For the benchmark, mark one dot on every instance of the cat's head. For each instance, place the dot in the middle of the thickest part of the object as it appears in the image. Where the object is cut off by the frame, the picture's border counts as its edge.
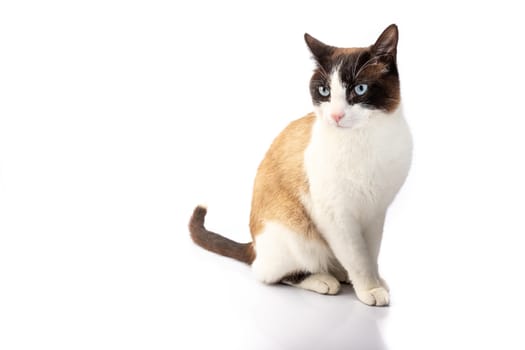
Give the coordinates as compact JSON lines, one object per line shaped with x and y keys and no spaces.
{"x":352,"y":85}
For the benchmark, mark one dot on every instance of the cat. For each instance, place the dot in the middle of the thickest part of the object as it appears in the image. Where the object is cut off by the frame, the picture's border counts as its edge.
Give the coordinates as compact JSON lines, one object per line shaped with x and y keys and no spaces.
{"x":322,"y":191}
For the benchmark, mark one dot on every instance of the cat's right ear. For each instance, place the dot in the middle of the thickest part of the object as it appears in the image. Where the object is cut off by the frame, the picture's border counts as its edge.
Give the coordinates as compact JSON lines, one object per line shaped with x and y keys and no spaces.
{"x":319,"y":50}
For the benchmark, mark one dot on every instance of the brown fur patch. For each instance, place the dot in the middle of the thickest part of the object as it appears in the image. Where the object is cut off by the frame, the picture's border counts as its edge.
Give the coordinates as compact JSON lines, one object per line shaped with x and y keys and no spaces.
{"x":280,"y":181}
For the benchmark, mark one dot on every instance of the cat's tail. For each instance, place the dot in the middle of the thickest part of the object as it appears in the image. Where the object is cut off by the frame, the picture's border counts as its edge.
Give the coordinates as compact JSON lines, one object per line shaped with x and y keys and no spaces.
{"x":216,"y":243}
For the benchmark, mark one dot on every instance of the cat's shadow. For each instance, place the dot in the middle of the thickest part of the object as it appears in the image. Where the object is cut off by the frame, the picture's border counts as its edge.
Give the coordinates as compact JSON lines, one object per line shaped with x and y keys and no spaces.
{"x":289,"y":318}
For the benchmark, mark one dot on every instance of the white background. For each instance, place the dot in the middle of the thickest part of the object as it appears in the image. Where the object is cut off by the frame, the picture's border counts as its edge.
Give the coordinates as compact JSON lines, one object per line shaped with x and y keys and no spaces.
{"x":117,"y":118}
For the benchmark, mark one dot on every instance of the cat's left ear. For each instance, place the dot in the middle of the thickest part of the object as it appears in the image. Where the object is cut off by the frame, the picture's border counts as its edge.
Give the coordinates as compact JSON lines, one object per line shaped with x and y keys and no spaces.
{"x":387,"y":42}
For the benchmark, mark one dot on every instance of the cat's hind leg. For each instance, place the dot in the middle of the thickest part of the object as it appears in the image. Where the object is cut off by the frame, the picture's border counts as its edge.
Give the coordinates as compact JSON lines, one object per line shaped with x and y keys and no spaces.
{"x":285,"y":256}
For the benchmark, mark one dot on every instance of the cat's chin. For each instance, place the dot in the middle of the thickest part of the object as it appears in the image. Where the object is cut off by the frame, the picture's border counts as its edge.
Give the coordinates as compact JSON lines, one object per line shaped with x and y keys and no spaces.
{"x":349,"y":124}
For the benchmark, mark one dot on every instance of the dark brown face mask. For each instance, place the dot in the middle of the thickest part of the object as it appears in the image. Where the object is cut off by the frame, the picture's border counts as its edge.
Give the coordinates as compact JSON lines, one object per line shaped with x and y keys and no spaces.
{"x":369,"y":74}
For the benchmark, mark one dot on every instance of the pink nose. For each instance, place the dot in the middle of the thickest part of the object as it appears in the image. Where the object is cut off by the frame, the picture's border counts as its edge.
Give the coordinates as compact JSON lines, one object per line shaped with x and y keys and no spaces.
{"x":337,"y":116}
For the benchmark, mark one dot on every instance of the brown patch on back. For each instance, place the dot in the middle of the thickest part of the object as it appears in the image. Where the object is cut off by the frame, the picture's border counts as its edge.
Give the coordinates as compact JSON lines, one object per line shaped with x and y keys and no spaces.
{"x":281,"y":179}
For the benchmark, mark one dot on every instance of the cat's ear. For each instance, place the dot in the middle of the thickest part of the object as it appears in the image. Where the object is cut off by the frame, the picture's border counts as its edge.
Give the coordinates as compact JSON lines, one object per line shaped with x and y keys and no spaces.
{"x":319,"y":50}
{"x":387,"y":42}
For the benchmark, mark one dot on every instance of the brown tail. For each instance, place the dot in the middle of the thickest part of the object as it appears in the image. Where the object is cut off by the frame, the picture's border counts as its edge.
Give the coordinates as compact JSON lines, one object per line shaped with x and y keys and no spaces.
{"x":216,"y":243}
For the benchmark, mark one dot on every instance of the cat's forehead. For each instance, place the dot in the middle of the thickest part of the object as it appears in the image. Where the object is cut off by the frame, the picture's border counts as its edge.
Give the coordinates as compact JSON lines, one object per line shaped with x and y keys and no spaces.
{"x":343,"y":58}
{"x":349,"y":51}
{"x":357,"y":62}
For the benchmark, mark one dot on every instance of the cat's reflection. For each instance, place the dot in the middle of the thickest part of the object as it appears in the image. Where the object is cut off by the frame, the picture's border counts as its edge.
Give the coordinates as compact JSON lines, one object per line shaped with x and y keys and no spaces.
{"x":302,"y":320}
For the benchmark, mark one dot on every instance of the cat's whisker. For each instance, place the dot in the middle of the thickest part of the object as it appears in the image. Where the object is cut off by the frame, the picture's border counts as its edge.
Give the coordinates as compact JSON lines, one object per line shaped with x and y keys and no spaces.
{"x":356,"y":62}
{"x":371,"y":61}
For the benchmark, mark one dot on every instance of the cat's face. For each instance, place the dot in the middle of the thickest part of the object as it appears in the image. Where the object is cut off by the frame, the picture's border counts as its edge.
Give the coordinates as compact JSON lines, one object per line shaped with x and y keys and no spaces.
{"x":350,"y":86}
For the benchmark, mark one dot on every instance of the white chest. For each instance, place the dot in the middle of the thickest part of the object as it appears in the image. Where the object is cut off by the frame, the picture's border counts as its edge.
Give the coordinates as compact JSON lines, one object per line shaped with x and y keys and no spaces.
{"x":357,"y":171}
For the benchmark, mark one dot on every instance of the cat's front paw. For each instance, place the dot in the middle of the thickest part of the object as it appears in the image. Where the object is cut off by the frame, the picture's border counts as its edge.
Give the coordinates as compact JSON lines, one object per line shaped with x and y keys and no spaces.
{"x":374,"y":297}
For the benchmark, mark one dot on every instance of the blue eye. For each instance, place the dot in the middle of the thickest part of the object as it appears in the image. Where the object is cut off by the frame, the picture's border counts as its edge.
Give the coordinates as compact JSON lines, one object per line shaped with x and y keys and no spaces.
{"x":324,"y":91}
{"x":360,"y":89}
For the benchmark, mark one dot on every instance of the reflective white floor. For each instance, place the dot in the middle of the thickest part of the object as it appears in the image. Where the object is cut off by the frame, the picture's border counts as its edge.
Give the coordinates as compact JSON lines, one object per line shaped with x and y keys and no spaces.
{"x":241,"y":313}
{"x":254,"y":316}
{"x":162,"y":292}
{"x":228,"y":308}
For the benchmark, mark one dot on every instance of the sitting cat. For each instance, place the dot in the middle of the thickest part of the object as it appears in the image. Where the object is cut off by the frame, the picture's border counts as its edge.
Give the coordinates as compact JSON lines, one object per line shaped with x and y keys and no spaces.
{"x":323,"y":189}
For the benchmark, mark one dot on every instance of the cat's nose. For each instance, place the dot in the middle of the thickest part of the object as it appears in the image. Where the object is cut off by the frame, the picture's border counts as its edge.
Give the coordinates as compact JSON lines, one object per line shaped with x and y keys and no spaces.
{"x":337,"y":116}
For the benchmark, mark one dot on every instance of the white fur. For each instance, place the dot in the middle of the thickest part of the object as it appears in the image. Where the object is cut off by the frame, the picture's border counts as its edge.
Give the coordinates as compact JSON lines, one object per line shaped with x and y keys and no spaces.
{"x":354,"y":174}
{"x":354,"y":169}
{"x":281,"y":251}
